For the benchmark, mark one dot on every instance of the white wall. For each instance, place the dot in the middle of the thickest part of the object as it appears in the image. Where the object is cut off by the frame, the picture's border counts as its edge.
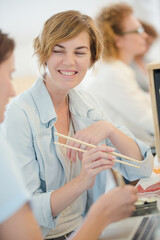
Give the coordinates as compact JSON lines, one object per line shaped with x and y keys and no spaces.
{"x":24,"y":20}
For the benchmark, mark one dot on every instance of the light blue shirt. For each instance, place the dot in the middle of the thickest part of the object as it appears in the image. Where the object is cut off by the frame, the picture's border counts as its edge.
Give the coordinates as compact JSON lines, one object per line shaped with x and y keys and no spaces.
{"x":12,"y":190}
{"x":30,"y":126}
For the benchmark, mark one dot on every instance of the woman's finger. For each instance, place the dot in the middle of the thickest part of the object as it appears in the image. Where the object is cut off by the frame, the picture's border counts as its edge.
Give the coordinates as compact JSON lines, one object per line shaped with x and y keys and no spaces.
{"x":97,"y":170}
{"x":101,"y":162}
{"x":96,"y":155}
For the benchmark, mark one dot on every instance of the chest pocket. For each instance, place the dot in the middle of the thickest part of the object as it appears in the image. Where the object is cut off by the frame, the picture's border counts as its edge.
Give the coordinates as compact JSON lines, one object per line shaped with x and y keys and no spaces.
{"x":82,"y":122}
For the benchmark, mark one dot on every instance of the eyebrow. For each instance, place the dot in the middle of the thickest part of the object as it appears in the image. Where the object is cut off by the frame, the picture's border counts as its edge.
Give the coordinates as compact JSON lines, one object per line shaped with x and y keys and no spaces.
{"x":78,"y":48}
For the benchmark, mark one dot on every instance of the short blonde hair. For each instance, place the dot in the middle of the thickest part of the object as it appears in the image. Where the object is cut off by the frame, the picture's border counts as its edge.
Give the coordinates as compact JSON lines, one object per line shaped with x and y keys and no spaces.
{"x":62,"y":27}
{"x":110,"y":21}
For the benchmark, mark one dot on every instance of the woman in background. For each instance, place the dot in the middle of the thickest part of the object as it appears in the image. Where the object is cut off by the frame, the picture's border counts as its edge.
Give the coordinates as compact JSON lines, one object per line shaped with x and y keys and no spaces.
{"x":64,"y":184}
{"x":114,"y":83}
{"x":139,"y":64}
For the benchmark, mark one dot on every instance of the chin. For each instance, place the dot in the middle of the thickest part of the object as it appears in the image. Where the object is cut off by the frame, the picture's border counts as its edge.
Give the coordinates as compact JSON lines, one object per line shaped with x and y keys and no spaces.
{"x":1,"y":119}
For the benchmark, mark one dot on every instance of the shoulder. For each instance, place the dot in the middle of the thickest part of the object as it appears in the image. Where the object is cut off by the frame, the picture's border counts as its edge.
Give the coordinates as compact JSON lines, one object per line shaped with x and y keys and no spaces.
{"x":23,"y":105}
{"x":109,"y":71}
{"x":85,"y":104}
{"x":20,"y":103}
{"x":19,"y":115}
{"x":84,"y":97}
{"x":28,"y":97}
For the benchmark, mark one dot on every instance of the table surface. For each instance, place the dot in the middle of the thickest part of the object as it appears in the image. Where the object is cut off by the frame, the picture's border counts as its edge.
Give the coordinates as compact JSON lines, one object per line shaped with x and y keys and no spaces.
{"x":125,"y":229}
{"x":122,"y":230}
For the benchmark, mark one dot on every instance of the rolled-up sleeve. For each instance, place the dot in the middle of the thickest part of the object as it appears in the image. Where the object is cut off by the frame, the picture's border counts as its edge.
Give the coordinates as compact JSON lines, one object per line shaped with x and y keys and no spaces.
{"x":42,"y":210}
{"x":146,"y":166}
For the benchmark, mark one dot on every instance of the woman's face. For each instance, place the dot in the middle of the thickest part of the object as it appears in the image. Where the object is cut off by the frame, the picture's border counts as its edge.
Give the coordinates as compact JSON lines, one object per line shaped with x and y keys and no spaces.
{"x":69,"y":62}
{"x":6,"y":88}
{"x":132,"y":43}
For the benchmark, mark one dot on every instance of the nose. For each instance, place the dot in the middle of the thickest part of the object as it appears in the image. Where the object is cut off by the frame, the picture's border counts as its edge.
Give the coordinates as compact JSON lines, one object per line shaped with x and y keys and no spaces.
{"x":69,"y":59}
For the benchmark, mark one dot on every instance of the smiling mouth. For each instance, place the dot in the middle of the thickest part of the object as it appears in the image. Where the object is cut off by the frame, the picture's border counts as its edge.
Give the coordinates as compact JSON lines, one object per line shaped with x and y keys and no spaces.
{"x":68,"y":73}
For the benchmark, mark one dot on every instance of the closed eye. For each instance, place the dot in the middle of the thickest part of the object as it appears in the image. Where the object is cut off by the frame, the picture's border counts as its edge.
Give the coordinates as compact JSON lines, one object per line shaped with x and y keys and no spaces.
{"x":80,"y":53}
{"x":56,"y":51}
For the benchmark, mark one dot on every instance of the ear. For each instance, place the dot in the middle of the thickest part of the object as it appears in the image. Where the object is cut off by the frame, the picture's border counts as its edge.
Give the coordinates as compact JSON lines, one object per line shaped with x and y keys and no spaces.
{"x":119,"y":41}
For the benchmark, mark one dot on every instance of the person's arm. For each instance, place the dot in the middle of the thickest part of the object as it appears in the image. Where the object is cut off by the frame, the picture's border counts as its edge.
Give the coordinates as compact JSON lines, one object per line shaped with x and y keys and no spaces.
{"x":90,"y":230}
{"x":94,"y":161}
{"x":22,"y":225}
{"x":111,"y":207}
{"x":123,"y":141}
{"x":101,"y":130}
{"x":52,"y":202}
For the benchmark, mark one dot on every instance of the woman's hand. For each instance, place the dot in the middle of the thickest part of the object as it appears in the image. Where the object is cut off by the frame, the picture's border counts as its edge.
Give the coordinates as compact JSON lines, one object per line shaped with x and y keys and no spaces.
{"x":114,"y":206}
{"x":93,"y":134}
{"x":93,"y":162}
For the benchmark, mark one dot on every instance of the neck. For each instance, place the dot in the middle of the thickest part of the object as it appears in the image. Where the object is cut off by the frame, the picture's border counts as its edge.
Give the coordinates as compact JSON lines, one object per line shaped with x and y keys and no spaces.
{"x":139,"y":58}
{"x":140,"y":62}
{"x":58,"y":96}
{"x":124,"y":57}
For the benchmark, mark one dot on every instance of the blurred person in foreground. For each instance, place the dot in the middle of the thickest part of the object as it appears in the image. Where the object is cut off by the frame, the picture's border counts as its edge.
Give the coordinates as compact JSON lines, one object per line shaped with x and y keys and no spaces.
{"x":16,"y":219}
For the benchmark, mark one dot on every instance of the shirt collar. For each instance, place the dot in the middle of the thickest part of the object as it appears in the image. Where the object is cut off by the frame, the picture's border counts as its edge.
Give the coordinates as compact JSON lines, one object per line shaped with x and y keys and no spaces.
{"x":43,"y":101}
{"x":79,"y":102}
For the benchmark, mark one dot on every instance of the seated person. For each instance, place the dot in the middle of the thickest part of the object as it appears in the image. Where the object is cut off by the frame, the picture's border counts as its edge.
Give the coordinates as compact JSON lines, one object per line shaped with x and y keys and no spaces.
{"x":139,"y":64}
{"x":16,"y":219}
{"x":64,"y":183}
{"x":114,"y":83}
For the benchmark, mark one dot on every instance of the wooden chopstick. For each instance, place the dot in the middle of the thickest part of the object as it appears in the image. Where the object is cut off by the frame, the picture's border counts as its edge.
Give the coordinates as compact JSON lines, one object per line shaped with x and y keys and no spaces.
{"x":93,"y":146}
{"x":71,"y":147}
{"x":82,"y":150}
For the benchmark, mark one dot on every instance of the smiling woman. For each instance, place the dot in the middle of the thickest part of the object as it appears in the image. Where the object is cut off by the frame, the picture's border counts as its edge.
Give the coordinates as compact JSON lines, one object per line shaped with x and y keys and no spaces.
{"x":63,"y":182}
{"x":68,"y":63}
{"x":56,"y":31}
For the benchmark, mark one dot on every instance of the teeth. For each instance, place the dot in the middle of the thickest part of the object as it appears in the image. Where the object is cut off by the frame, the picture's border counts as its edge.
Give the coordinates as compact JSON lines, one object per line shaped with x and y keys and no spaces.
{"x":67,"y":73}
